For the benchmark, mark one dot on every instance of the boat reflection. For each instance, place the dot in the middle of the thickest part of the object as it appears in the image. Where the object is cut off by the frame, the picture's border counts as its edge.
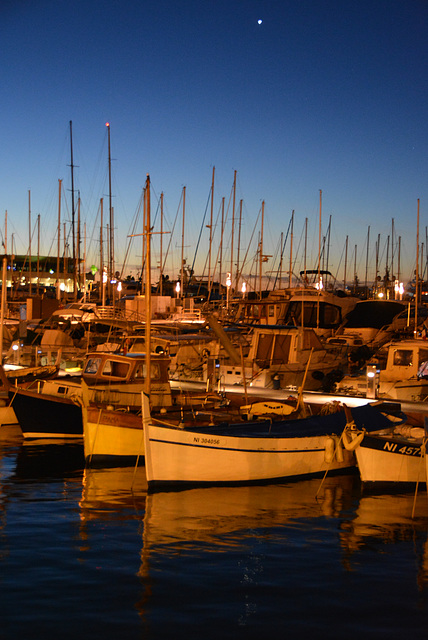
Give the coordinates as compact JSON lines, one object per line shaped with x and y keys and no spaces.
{"x":218,"y":515}
{"x":387,"y":519}
{"x":107,"y":491}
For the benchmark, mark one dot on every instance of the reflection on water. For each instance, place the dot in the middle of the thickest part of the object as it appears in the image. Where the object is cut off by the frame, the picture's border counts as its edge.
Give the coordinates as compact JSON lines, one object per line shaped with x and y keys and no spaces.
{"x":106,"y":492}
{"x":315,"y":557}
{"x":220,"y":515}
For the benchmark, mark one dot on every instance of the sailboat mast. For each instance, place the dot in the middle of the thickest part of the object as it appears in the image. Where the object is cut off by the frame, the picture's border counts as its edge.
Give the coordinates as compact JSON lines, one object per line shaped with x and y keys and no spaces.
{"x":367,"y":258}
{"x":290,"y":271}
{"x":261,"y":248}
{"x":239,"y":243}
{"x":417,"y":273}
{"x":111,"y":221}
{"x":346,"y":264}
{"x":29,"y":239}
{"x":148,"y":292}
{"x":306,"y":248}
{"x":319,"y":263}
{"x":73,"y":211}
{"x":79,"y":275}
{"x":58,"y":290}
{"x":221,"y":240}
{"x":182,"y":244}
{"x":161,"y":247}
{"x":102,"y":283}
{"x":38,"y":253}
{"x":233,"y":224}
{"x":319,"y":240}
{"x":211,"y":233}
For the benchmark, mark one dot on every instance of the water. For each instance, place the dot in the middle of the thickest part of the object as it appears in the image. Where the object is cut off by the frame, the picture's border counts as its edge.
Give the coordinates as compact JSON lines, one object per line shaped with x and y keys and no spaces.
{"x":81,"y":555}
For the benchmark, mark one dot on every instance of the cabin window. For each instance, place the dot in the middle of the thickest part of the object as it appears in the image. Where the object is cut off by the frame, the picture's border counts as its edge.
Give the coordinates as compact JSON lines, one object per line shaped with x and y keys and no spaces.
{"x":116,"y":369}
{"x":264,"y":349}
{"x":281,"y":349}
{"x":271,"y":310}
{"x":140,"y":371}
{"x":331,"y":315}
{"x":423,"y":355}
{"x":93,"y":365}
{"x":403,"y":358}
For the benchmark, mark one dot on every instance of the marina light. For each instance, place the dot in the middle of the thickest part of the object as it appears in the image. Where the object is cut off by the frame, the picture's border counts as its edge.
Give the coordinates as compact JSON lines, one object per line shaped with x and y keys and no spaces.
{"x":228,"y":280}
{"x":399,"y":288}
{"x":177,"y":287}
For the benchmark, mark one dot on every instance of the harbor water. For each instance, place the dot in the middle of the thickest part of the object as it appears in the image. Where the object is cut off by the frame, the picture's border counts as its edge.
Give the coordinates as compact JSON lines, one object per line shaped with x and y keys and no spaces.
{"x":90,"y":553}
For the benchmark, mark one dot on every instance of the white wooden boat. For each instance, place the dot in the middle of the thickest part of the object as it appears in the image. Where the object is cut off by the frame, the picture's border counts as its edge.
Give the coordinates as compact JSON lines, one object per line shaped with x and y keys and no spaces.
{"x":252,"y":451}
{"x":391,"y":456}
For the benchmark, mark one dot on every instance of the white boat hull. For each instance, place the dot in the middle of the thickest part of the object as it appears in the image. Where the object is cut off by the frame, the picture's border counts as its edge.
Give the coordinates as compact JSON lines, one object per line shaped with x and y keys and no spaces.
{"x":174,"y":456}
{"x":390,"y":460}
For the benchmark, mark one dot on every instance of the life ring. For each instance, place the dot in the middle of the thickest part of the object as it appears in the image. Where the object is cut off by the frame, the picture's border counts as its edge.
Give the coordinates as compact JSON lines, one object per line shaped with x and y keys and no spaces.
{"x":351,"y":442}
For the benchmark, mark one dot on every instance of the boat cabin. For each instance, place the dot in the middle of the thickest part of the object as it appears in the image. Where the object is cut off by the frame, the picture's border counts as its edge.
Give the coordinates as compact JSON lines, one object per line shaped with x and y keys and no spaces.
{"x":127,"y":374}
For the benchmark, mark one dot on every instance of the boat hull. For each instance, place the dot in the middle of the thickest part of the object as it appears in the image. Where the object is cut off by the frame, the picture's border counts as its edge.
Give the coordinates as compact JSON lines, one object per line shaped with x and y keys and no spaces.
{"x":47,"y":417}
{"x":112,"y":438}
{"x":179,"y":456}
{"x":389,"y":459}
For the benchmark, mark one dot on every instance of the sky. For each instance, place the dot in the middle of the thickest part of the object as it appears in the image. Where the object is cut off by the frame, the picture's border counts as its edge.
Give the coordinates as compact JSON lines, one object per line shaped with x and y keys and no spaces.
{"x":317,"y":108}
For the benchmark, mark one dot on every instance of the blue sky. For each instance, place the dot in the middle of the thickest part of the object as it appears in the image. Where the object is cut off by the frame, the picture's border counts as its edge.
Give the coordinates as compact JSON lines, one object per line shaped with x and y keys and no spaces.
{"x":326,"y":96}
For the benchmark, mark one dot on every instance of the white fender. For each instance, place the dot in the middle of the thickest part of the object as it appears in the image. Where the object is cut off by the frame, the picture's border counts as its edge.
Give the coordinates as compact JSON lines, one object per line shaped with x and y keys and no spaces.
{"x":329,"y":449}
{"x":351,"y":441}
